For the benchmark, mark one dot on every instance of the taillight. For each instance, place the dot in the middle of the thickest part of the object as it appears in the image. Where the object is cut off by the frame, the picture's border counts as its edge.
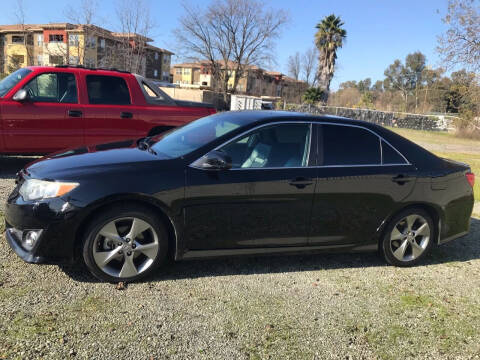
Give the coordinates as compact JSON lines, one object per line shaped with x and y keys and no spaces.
{"x":470,"y":178}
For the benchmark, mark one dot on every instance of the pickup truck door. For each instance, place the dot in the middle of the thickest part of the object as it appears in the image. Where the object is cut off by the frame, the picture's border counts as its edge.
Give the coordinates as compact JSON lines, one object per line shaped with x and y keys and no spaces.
{"x":50,"y":119}
{"x":109,"y":114}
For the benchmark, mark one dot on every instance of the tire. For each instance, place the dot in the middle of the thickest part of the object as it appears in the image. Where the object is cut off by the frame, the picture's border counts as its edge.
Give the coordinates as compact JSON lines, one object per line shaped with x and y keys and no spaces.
{"x":408,"y":238}
{"x":124,"y":243}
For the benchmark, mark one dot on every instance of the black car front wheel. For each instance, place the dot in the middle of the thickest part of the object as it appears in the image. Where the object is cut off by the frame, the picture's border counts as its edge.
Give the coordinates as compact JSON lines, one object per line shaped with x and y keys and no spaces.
{"x":408,"y":237}
{"x":124,"y":243}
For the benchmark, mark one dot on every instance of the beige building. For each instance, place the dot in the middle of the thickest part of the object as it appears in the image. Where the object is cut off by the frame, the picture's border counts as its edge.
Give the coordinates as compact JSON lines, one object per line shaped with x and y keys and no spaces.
{"x":255,"y":81}
{"x":88,"y":45}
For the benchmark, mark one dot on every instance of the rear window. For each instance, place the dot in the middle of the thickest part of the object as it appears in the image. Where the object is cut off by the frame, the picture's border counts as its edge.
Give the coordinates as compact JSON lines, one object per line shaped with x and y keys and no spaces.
{"x":107,"y":90}
{"x":348,"y":145}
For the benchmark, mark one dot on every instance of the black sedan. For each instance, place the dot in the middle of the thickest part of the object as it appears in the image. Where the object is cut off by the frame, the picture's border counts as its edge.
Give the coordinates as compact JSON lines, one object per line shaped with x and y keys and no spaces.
{"x":238,"y":183}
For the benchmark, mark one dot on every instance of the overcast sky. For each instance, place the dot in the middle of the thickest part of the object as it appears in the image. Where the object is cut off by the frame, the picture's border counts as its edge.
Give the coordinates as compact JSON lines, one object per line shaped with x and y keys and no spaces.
{"x":378,"y":31}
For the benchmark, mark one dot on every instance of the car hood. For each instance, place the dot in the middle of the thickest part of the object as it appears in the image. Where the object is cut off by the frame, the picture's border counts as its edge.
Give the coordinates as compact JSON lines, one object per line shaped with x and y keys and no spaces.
{"x":77,"y":163}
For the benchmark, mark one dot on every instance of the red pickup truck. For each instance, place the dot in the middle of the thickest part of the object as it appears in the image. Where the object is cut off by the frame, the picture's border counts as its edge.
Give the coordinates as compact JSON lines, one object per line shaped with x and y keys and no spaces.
{"x":46,"y":109}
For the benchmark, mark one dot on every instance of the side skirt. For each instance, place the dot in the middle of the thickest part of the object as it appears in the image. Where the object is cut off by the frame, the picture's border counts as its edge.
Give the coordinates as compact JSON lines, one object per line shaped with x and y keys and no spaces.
{"x":203,"y":254}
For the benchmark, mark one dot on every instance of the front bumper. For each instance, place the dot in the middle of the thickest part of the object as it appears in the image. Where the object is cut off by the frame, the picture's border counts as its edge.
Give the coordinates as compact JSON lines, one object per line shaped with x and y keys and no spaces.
{"x":57,"y":218}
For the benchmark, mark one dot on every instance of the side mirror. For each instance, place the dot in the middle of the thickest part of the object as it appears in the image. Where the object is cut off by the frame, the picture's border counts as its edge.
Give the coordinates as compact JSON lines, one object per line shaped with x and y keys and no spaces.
{"x":214,"y":160}
{"x":20,"y":95}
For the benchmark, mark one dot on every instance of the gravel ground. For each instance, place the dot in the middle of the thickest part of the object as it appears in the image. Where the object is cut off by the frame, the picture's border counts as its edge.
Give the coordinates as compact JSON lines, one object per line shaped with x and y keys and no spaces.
{"x":342,"y":306}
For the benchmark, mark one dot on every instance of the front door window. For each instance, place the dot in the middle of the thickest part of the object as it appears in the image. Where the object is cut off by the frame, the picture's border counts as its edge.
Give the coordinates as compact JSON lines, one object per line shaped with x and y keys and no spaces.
{"x":53,"y":87}
{"x":276,"y":146}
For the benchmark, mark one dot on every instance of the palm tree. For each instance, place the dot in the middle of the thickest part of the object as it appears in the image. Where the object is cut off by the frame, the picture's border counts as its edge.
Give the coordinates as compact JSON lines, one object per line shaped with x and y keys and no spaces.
{"x":328,"y":39}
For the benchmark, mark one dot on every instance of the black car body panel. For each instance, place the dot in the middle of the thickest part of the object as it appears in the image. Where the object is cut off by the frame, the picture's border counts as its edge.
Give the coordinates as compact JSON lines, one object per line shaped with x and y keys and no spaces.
{"x":244,"y":211}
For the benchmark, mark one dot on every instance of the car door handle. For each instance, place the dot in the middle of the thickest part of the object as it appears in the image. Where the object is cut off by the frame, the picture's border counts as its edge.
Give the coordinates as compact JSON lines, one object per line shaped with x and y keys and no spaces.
{"x":402,"y":179}
{"x":301,"y":182}
{"x":74,"y":113}
{"x":126,"y":115}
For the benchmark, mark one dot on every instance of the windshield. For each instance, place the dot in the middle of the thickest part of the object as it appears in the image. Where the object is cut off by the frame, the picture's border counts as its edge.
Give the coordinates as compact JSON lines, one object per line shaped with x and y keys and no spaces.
{"x":11,"y":80}
{"x":196,"y":134}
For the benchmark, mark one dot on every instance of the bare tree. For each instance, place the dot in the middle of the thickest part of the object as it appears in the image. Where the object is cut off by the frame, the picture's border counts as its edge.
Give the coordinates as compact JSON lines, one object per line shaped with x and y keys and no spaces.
{"x":460,"y":45}
{"x":231,"y":35}
{"x":309,"y":66}
{"x":136,"y":25}
{"x":84,"y":16}
{"x":14,"y":62}
{"x":294,"y":65}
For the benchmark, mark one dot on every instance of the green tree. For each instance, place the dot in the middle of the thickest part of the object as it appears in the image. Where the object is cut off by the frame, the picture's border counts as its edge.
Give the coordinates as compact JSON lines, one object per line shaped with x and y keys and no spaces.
{"x":397,"y":79}
{"x":364,"y":85}
{"x":313,"y":95}
{"x":329,"y":37}
{"x":414,"y":67}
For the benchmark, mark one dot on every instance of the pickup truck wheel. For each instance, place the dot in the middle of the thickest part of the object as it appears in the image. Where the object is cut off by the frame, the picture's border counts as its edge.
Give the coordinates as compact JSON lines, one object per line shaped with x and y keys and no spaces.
{"x":125,"y":244}
{"x":159,"y":129}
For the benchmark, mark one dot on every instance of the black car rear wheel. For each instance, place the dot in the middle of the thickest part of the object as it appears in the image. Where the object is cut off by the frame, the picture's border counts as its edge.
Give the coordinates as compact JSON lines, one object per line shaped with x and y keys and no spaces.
{"x":408,"y":237}
{"x":124,"y":244}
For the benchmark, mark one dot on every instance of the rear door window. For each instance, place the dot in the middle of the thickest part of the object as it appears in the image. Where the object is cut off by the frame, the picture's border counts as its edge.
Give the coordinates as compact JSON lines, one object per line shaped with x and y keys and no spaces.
{"x":53,"y":87}
{"x":348,"y":145}
{"x":391,"y":156}
{"x":107,"y":90}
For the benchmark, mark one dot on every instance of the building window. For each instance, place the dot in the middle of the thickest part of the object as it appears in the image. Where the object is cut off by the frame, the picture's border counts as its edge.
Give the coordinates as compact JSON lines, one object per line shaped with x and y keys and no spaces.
{"x":40,"y":39}
{"x":166,"y":59}
{"x":16,"y":39}
{"x":55,"y":38}
{"x":91,"y":42}
{"x":155,"y":73}
{"x":156,"y":56}
{"x":178,"y":71}
{"x":55,"y":59}
{"x":102,"y":43}
{"x":39,"y":60}
{"x":73,"y":60}
{"x":186,"y":71}
{"x":73,"y":40}
{"x":89,"y":63}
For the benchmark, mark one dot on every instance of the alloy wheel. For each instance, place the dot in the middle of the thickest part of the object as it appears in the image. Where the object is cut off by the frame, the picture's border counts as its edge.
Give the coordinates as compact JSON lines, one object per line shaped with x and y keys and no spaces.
{"x":410,"y":237}
{"x":125,"y":247}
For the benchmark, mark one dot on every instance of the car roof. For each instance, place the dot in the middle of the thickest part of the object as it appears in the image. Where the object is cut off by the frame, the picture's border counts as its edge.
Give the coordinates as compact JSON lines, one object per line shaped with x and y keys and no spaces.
{"x":261,"y":116}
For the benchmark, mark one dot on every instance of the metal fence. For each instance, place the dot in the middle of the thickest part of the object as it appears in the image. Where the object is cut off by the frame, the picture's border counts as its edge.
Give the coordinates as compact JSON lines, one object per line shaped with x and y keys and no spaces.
{"x":394,"y":119}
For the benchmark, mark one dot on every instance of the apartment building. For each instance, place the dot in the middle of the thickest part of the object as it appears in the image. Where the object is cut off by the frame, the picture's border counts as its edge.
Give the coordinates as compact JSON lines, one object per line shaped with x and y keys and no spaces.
{"x":254,"y":81}
{"x":88,"y":45}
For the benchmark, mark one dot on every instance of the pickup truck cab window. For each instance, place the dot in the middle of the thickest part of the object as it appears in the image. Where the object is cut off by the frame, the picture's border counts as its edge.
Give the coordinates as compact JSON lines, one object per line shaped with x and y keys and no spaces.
{"x":107,"y":90}
{"x":13,"y":79}
{"x":53,"y":87}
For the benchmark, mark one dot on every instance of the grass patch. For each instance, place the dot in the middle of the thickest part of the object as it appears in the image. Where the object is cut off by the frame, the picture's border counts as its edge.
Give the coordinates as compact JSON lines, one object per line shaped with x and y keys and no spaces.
{"x":264,"y":333}
{"x":417,"y":322}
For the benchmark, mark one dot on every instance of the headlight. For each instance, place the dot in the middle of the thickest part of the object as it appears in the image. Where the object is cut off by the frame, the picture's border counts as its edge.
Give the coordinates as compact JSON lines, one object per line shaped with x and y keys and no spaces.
{"x":33,"y":189}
